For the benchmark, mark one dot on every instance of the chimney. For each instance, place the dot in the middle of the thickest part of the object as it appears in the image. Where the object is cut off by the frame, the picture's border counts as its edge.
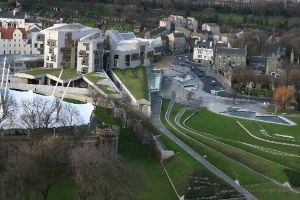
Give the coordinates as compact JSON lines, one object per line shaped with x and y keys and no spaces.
{"x":14,"y":11}
{"x":210,"y":44}
{"x":228,"y":45}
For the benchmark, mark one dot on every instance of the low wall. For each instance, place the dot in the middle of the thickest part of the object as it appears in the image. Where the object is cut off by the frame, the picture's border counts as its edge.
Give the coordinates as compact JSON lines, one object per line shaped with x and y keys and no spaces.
{"x":47,"y":89}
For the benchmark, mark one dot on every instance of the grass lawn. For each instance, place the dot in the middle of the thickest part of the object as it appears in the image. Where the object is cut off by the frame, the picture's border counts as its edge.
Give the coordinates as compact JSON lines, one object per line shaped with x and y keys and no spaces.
{"x":260,"y":165}
{"x":117,"y":26}
{"x":226,"y":130}
{"x":272,"y":110}
{"x":73,"y":101}
{"x":242,"y":174}
{"x":95,"y":79}
{"x":135,"y":79}
{"x":227,"y":127}
{"x":90,"y":22}
{"x":67,"y":73}
{"x":271,"y":191}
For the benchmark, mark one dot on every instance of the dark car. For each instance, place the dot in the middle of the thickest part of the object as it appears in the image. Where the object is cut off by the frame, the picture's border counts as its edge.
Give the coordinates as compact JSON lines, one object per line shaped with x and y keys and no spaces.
{"x":200,"y":69}
{"x":200,"y":75}
{"x":193,"y":68}
{"x":206,"y":76}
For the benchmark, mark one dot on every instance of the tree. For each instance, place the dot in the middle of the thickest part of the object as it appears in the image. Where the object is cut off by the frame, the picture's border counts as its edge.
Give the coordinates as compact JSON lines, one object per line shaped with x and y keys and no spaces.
{"x":94,"y":94}
{"x":173,"y":96}
{"x":187,"y":13}
{"x":189,"y":96}
{"x":282,"y":95}
{"x":244,"y":19}
{"x":101,"y":177}
{"x":37,"y":167}
{"x":198,"y":101}
{"x":9,"y":109}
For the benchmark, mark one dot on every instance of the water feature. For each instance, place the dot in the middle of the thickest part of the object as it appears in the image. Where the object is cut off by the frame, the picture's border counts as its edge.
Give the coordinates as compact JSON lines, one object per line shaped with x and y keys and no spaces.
{"x":247,"y":114}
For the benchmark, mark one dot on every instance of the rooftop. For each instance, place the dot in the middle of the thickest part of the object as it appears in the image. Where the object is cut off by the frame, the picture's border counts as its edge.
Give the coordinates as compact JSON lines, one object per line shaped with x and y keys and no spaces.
{"x":158,"y":30}
{"x":226,"y":50}
{"x":135,"y":80}
{"x":31,"y":20}
{"x":10,"y":14}
{"x":7,"y":33}
{"x":67,"y":73}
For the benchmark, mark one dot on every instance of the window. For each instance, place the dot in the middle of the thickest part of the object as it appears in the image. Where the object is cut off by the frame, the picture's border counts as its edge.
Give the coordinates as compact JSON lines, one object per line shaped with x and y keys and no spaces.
{"x":9,"y":45}
{"x":3,"y":45}
{"x":14,"y":40}
{"x":19,"y":45}
{"x":35,"y":45}
{"x":14,"y":45}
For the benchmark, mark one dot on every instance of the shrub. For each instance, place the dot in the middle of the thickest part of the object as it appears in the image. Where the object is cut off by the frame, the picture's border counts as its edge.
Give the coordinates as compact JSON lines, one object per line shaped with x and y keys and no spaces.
{"x":293,"y":177}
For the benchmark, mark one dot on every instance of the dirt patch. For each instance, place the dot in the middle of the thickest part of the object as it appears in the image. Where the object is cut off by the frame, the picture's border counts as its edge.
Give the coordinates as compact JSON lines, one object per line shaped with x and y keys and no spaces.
{"x":176,"y":158}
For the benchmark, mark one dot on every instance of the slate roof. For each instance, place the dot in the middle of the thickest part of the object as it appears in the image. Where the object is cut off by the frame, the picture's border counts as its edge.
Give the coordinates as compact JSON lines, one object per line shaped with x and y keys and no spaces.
{"x":158,"y":30}
{"x":258,"y":62}
{"x":178,"y":35}
{"x":226,"y":50}
{"x":212,"y":24}
{"x":8,"y":33}
{"x":10,"y":14}
{"x":30,"y":20}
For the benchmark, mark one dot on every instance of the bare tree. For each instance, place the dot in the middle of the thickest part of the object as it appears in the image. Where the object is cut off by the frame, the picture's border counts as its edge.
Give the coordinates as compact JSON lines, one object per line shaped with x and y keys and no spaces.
{"x":198,"y":102}
{"x":69,"y":116}
{"x":94,"y":94}
{"x":8,"y":110}
{"x":38,"y":112}
{"x":37,"y":167}
{"x":189,"y":96}
{"x":98,"y":176}
{"x":173,"y":96}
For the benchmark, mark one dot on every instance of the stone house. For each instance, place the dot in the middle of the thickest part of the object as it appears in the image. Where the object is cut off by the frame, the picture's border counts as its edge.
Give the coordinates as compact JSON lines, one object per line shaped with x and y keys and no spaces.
{"x":165,"y":42}
{"x":214,"y":28}
{"x":227,"y":58}
{"x":185,"y":31}
{"x":160,"y":31}
{"x":177,"y":43}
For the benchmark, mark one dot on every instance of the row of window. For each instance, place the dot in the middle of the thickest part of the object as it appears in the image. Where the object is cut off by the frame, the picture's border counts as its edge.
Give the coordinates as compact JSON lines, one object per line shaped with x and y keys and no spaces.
{"x":16,"y":52}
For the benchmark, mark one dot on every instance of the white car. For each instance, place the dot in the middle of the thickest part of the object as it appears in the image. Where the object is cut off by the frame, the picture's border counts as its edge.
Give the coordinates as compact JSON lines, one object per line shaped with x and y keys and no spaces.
{"x":179,"y":58}
{"x":221,"y":90}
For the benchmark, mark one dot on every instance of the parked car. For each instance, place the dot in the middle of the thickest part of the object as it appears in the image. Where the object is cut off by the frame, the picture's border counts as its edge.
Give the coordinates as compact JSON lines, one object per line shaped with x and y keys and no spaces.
{"x":213,"y":83}
{"x":200,"y":69}
{"x":200,"y":75}
{"x":179,"y":58}
{"x":193,"y":68}
{"x":206,"y":76}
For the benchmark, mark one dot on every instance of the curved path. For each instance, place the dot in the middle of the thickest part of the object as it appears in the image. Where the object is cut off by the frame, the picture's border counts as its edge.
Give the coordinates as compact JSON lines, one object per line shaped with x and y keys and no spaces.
{"x":157,"y":123}
{"x":272,"y":180}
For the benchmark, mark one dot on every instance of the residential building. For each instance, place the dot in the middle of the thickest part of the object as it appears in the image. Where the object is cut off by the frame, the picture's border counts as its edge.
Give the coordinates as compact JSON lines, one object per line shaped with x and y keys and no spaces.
{"x":16,"y":32}
{"x":160,"y":31}
{"x":214,"y":28}
{"x":227,"y":58}
{"x":167,"y":23}
{"x":72,"y":46}
{"x":14,"y":41}
{"x":125,"y":50}
{"x":26,"y":62}
{"x":177,"y":43}
{"x":192,"y":23}
{"x":258,"y":64}
{"x":165,"y":42}
{"x":185,"y":31}
{"x":204,"y":52}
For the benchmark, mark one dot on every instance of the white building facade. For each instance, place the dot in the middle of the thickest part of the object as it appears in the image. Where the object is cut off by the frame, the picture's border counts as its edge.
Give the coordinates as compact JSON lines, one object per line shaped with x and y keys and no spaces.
{"x":72,"y":46}
{"x":203,"y":55}
{"x":127,"y":51}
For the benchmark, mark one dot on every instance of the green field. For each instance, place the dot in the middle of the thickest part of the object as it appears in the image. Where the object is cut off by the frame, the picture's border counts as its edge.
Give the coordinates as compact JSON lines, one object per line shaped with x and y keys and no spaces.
{"x":135,"y":79}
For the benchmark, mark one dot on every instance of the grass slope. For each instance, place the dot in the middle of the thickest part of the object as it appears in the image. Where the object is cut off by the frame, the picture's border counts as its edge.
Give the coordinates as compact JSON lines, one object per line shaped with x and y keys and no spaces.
{"x":243,"y":175}
{"x":135,"y":79}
